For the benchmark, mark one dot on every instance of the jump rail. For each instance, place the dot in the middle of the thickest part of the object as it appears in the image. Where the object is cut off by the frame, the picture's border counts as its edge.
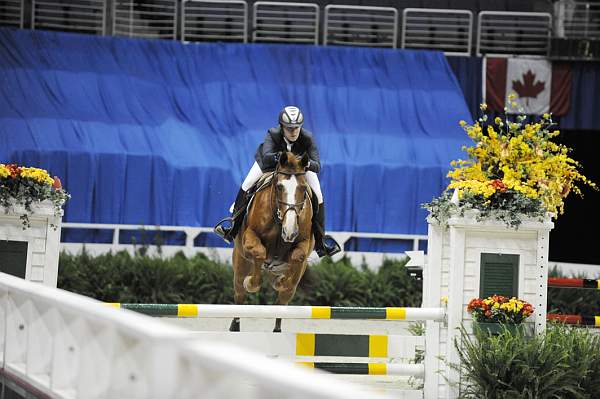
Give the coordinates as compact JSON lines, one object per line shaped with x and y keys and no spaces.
{"x":367,"y":354}
{"x":575,"y":319}
{"x":287,"y":312}
{"x":556,"y":282}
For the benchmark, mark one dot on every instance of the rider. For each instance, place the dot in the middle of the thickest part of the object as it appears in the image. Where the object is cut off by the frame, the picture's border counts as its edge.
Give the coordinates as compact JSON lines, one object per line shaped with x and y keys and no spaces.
{"x":288,"y":136}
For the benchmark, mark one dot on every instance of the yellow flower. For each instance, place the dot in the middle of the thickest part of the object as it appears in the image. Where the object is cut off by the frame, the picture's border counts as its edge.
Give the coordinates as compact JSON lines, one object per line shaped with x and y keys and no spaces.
{"x":546,"y":116}
{"x":483,"y":106}
{"x":498,"y":121}
{"x":4,"y":172}
{"x":462,"y":123}
{"x":39,"y":175}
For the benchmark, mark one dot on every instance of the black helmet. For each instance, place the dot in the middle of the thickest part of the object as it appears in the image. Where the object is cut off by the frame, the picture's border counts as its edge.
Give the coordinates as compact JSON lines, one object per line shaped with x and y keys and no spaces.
{"x":291,"y":117}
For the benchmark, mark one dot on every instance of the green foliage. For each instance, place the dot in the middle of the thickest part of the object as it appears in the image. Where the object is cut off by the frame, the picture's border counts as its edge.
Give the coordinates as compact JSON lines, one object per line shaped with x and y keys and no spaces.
{"x":572,"y":300}
{"x":509,"y":207}
{"x":123,"y":278}
{"x":562,"y":363}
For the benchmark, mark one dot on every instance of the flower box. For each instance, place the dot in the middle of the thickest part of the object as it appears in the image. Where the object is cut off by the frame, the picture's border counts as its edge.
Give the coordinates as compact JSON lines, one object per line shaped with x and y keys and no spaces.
{"x":499,"y":328}
{"x":26,"y":191}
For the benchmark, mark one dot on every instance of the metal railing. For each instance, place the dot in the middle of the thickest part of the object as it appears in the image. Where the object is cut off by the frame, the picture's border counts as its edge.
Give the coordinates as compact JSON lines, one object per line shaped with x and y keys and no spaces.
{"x":513,"y":33}
{"x":84,"y":16}
{"x":11,"y":13}
{"x":209,"y":20}
{"x":285,"y":22}
{"x":62,"y":345}
{"x":577,"y":20}
{"x":361,"y":26}
{"x":451,"y":31}
{"x":155,"y":19}
{"x":448,"y":30}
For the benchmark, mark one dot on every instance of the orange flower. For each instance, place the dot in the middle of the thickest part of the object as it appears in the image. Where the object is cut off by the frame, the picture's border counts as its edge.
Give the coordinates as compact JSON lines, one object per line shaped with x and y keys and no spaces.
{"x":57,"y":183}
{"x":14,"y":170}
{"x":499,"y":185}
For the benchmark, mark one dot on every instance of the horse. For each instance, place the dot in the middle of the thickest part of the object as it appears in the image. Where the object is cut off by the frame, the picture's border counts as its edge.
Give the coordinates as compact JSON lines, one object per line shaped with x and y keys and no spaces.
{"x":276,"y":234}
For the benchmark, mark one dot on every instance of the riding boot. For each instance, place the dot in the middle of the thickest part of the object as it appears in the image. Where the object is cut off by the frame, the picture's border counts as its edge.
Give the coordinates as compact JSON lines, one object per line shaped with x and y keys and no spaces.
{"x":324,"y":244}
{"x":235,"y":220}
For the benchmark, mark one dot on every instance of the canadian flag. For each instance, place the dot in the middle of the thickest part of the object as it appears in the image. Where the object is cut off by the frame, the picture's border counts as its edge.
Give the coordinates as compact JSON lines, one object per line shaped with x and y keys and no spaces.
{"x":540,"y":86}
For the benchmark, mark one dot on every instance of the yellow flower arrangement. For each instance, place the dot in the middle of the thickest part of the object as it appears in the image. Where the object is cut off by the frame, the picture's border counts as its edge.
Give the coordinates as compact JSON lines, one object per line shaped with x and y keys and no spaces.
{"x":499,"y":309}
{"x":513,"y":169}
{"x":26,"y":186}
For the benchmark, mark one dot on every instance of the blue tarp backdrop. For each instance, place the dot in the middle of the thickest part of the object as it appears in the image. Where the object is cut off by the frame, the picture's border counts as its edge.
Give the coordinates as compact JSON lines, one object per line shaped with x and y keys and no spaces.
{"x":158,"y":132}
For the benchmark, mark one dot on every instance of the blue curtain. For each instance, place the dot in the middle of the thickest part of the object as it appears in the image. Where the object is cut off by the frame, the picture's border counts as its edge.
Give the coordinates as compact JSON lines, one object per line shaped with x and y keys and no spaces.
{"x":158,"y":132}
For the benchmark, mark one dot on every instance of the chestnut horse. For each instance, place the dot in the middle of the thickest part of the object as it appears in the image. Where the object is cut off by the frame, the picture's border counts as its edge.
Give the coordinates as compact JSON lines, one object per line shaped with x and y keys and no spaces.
{"x":276,"y":235}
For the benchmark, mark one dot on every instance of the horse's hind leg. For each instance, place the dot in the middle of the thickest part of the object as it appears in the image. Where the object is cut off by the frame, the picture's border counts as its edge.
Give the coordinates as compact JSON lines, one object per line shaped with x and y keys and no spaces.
{"x":241,"y":268}
{"x":256,"y":250}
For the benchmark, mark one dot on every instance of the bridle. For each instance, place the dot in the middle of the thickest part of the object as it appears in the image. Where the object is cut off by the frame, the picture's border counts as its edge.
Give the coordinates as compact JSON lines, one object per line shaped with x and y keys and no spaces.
{"x":296,"y":207}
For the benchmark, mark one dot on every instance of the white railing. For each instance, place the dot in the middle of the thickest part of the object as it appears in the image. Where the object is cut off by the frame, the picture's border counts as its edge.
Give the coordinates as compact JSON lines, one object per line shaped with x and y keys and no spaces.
{"x":147,"y":19}
{"x":189,"y":248}
{"x":361,"y":26}
{"x":450,"y":31}
{"x":11,"y":13}
{"x":86,"y":16}
{"x":68,"y":346}
{"x":513,"y":33}
{"x":285,"y":22}
{"x":577,"y":19}
{"x":204,"y":20}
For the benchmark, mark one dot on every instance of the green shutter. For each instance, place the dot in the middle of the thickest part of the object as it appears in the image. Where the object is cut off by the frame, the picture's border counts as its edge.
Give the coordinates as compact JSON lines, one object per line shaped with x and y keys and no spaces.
{"x":13,"y":257}
{"x":499,"y":275}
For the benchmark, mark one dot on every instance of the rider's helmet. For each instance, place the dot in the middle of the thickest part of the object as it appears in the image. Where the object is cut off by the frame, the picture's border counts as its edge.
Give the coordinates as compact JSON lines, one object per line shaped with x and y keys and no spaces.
{"x":291,"y":117}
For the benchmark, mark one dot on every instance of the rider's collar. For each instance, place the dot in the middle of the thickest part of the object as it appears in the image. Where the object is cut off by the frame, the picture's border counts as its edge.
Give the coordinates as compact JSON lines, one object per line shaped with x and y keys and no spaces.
{"x":288,"y":143}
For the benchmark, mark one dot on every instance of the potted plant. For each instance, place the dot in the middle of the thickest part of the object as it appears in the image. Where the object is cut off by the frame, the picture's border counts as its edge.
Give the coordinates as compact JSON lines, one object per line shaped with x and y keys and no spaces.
{"x":23,"y":187}
{"x":514,"y":171}
{"x":497,"y":313}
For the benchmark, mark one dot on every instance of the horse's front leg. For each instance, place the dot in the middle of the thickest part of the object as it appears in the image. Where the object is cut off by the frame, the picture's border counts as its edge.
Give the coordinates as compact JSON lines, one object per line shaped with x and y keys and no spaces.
{"x":255,"y":250}
{"x":286,"y":284}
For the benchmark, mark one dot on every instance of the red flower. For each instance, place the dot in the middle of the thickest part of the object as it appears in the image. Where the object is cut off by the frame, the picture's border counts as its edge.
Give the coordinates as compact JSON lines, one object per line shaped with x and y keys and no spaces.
{"x":57,"y":183}
{"x":14,"y":170}
{"x":499,"y":185}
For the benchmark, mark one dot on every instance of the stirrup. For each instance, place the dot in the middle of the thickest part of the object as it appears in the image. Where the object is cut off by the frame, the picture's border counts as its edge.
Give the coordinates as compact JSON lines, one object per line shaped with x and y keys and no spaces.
{"x":329,"y":247}
{"x":224,"y":232}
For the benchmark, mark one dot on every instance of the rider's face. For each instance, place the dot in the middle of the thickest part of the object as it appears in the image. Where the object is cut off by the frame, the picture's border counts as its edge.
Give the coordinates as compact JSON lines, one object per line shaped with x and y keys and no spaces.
{"x":291,"y":133}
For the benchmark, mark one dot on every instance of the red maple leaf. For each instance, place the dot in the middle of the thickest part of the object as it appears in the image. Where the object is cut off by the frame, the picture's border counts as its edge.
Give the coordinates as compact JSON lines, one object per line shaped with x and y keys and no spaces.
{"x":528,"y":88}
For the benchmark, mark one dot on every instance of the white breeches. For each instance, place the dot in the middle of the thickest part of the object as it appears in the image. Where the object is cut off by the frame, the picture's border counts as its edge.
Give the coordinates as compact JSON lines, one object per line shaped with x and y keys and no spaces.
{"x":311,"y":177}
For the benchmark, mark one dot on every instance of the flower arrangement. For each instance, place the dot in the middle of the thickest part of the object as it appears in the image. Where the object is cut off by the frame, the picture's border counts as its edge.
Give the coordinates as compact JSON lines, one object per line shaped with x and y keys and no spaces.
{"x":513,"y":170}
{"x":25,"y":186}
{"x":499,"y":309}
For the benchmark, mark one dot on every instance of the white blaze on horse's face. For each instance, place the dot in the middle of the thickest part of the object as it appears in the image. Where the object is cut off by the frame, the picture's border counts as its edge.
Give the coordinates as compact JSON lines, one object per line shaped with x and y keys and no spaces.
{"x":289,"y":224}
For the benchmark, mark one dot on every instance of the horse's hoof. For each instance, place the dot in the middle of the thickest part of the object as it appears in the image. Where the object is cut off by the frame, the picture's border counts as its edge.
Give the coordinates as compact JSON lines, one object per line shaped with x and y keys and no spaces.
{"x":235,"y":326}
{"x":248,"y":285}
{"x":277,"y":330}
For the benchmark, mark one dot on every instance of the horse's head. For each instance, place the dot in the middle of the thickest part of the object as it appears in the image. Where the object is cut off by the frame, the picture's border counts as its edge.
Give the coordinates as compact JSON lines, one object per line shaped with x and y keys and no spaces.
{"x":291,"y":193}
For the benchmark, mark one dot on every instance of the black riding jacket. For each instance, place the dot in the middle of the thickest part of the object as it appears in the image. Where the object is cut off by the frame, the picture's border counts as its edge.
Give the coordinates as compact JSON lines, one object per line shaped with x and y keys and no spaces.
{"x":274,"y":143}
